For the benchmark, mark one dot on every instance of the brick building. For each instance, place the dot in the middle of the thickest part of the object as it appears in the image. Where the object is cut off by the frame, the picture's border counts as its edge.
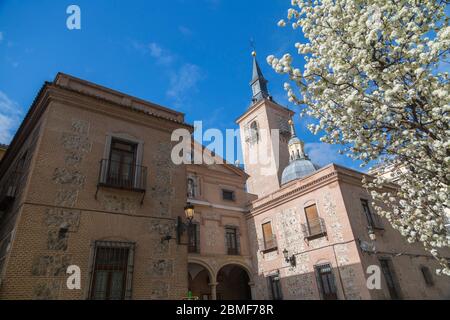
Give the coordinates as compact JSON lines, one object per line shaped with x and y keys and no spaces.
{"x":88,"y":180}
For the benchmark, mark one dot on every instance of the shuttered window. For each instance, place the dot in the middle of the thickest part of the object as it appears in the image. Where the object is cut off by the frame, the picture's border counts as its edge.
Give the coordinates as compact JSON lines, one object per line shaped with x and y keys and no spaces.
{"x":269,"y":238}
{"x":313,"y":221}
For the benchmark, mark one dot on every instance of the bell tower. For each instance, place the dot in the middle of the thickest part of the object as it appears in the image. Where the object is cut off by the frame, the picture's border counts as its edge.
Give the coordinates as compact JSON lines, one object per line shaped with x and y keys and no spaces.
{"x":264,"y":131}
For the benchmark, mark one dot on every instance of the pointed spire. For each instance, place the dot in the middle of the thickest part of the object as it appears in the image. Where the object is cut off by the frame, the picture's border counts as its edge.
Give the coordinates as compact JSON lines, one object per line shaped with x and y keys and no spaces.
{"x":258,"y":83}
{"x":291,"y":124}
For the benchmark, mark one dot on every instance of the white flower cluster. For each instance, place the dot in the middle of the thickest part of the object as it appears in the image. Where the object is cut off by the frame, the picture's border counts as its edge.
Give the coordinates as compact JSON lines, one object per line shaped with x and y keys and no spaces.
{"x":371,"y":78}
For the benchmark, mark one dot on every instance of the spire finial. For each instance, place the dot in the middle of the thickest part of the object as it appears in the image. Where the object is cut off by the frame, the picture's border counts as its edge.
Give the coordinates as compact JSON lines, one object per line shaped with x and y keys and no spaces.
{"x":252,"y":45}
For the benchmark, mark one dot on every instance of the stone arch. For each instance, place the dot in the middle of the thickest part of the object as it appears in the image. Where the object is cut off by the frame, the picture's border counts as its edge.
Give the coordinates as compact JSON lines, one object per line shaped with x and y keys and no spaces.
{"x":201,"y":279}
{"x":204,"y":264}
{"x":238,"y":263}
{"x":234,"y":281}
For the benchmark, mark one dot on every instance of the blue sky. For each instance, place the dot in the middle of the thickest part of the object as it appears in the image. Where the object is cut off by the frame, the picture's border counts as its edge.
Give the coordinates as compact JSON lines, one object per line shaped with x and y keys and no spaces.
{"x":189,"y":55}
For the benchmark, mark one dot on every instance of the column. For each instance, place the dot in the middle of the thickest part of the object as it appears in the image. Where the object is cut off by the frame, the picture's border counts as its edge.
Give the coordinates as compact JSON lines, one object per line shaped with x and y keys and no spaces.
{"x":252,"y":289}
{"x":213,"y":290}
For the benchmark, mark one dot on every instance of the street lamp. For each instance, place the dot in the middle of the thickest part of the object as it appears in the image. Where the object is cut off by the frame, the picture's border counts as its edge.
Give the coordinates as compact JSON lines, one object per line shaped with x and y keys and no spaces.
{"x":290,"y":259}
{"x":369,"y":247}
{"x":372,"y":235}
{"x":189,"y":213}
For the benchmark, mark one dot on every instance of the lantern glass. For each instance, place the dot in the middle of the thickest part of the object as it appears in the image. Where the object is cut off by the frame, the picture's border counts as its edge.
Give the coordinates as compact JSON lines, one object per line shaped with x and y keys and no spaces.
{"x":189,"y":212}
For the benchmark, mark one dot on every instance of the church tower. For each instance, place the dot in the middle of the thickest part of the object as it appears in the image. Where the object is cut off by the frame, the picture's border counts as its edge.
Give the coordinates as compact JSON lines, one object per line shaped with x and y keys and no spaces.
{"x":265,"y":132}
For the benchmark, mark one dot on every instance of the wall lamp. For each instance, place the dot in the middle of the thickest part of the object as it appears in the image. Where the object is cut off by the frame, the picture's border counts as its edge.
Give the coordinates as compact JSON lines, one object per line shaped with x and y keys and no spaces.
{"x":189,"y":213}
{"x":369,"y":247}
{"x":290,"y":259}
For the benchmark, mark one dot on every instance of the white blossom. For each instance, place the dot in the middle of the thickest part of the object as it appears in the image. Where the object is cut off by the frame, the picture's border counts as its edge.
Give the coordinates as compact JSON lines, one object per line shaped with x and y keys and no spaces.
{"x":371,"y":77}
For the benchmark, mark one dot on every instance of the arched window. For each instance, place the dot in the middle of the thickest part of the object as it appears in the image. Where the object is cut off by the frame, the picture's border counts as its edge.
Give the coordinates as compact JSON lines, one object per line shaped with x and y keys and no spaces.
{"x":254,"y":132}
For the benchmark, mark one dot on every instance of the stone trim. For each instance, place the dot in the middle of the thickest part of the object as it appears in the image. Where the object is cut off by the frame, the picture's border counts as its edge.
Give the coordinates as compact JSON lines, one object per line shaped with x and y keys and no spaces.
{"x":217,"y":206}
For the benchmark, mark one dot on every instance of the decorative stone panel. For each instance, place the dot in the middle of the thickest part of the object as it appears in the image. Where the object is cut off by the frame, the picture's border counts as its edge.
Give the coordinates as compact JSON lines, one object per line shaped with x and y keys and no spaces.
{"x":301,"y":286}
{"x":160,"y":268}
{"x":66,"y":197}
{"x":56,"y":241}
{"x":55,"y":265}
{"x":68,"y":177}
{"x":75,"y":142}
{"x":161,"y":228}
{"x":334,"y":227}
{"x":67,"y":218}
{"x":119,"y":203}
{"x":47,"y":290}
{"x":160,"y":290}
{"x":159,"y":248}
{"x":289,"y":231}
{"x":163,"y":190}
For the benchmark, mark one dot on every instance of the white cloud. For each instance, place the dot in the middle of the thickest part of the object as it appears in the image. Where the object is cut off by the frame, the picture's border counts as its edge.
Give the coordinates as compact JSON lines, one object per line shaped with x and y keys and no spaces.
{"x":10,"y":116}
{"x":184,"y":81}
{"x":322,"y":153}
{"x":161,"y":55}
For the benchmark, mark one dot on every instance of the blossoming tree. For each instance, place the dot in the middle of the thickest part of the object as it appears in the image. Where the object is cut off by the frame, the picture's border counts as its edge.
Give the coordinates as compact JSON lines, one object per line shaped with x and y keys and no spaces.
{"x":373,"y":78}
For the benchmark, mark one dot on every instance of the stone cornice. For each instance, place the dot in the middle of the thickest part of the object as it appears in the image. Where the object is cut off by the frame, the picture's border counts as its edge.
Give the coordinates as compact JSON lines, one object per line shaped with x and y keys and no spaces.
{"x":94,"y":90}
{"x":78,"y":99}
{"x":337,"y":174}
{"x":264,"y":102}
{"x":294,"y":193}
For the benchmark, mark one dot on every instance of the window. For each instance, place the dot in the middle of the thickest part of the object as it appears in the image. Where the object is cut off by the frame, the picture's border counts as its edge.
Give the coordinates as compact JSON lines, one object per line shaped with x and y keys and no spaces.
{"x":122,"y":163}
{"x":427,"y":276}
{"x":315,"y":226}
{"x":275,"y":287}
{"x":193,"y":233}
{"x":389,"y":276}
{"x":325,"y":281}
{"x":119,"y":168}
{"x":111,"y":277}
{"x":371,"y":218}
{"x":231,"y":240}
{"x":228,"y":195}
{"x":269,"y":238}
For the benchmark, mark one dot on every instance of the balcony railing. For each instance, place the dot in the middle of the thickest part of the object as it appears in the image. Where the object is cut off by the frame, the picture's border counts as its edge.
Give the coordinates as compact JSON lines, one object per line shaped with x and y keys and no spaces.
{"x":314,"y":229}
{"x":270,"y":243}
{"x":8,"y":190}
{"x":122,"y":175}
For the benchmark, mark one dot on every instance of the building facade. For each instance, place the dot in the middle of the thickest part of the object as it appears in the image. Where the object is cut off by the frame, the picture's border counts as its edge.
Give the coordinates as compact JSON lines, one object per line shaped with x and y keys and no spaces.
{"x":313,"y":231}
{"x":219,"y":257}
{"x":2,"y":150}
{"x":88,"y":182}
